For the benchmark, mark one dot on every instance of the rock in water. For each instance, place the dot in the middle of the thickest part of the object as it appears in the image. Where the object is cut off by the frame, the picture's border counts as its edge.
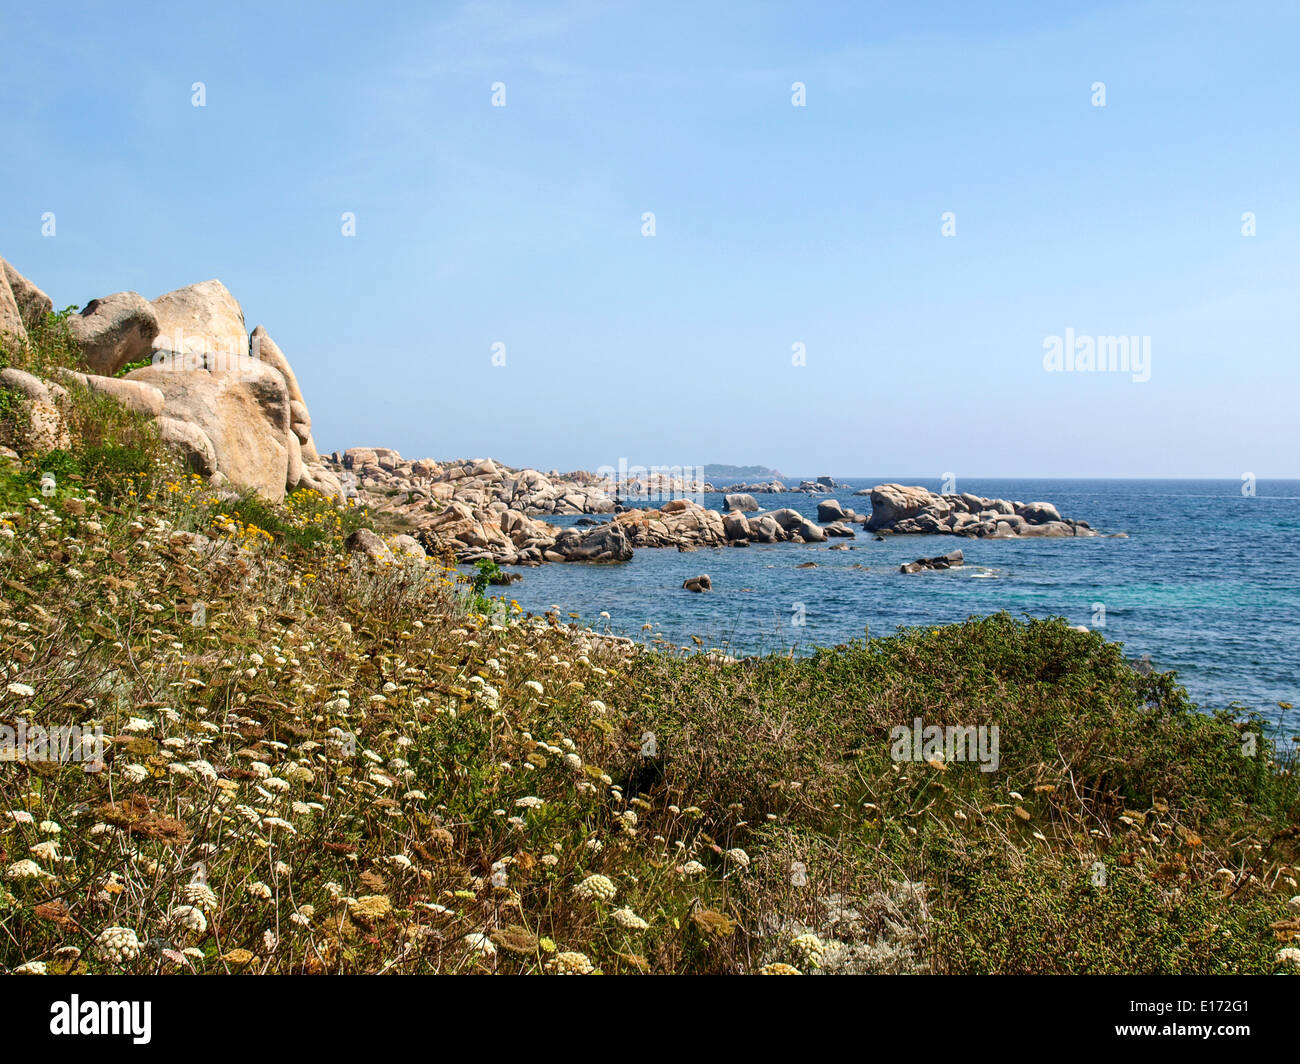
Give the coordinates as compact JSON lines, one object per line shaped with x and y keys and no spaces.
{"x":735,"y":526}
{"x":891,"y":503}
{"x":698,"y":583}
{"x":830,"y":510}
{"x":951,"y":560}
{"x":1038,"y":513}
{"x":604,"y":543}
{"x":898,"y":509}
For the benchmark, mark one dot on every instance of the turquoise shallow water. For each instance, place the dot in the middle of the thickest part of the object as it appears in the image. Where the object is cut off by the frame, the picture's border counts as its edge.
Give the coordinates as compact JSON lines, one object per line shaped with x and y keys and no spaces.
{"x":1208,"y":582}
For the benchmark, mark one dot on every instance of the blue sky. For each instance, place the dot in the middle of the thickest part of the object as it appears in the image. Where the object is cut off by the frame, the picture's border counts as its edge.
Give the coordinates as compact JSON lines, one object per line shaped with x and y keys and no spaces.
{"x":775,"y":224}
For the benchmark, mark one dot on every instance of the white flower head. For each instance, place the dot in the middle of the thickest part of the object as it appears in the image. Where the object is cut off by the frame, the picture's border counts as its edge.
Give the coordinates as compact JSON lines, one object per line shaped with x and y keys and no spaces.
{"x":188,"y":918}
{"x":596,"y":888}
{"x":626,"y":918}
{"x":117,"y":945}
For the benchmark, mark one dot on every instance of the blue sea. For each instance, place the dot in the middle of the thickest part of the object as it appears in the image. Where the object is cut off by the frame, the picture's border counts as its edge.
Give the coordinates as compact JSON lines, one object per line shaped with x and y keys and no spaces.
{"x":1207,"y":582}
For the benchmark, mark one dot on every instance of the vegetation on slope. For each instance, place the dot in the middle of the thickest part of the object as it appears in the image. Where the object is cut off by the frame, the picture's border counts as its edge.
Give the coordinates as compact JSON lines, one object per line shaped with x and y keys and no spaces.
{"x":316,"y":763}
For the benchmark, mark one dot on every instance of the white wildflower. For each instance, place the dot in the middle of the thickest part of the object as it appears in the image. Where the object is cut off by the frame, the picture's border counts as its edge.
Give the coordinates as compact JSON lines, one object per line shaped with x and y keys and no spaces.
{"x":568,"y":963}
{"x":628,"y":919}
{"x":117,"y":945}
{"x":188,"y":918}
{"x":596,"y":888}
{"x":201,"y":895}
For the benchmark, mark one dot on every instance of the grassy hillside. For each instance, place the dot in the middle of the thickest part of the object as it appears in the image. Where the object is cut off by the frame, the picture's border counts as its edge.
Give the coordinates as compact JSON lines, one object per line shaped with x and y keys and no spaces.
{"x":316,"y":763}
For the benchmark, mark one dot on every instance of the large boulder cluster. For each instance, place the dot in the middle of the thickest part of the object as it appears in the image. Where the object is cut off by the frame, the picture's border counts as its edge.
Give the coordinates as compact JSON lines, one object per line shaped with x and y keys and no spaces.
{"x":481,"y":509}
{"x":228,"y":402}
{"x":480,"y":482}
{"x":681,"y":523}
{"x":897,"y":509}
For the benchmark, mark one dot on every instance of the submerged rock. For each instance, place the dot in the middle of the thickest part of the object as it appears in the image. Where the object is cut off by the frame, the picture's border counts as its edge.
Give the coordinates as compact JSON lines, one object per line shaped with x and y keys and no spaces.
{"x":952,"y":560}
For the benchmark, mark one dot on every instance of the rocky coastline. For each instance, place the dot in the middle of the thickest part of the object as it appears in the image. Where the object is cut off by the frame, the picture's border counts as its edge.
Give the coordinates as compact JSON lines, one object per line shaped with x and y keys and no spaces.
{"x":480,"y":509}
{"x":230,"y":404}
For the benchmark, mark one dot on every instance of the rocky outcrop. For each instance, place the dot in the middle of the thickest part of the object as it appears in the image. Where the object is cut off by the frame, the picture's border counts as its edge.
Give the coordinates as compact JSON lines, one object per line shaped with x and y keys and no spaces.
{"x":797,"y":528}
{"x":480,"y":509}
{"x":364,"y":541}
{"x":410,"y":486}
{"x":32,"y":303}
{"x":892,"y":503}
{"x":604,"y":543}
{"x":897,"y":509}
{"x":191,"y":443}
{"x":200,"y":326}
{"x":832,"y":510}
{"x":681,"y":523}
{"x":30,"y":385}
{"x":244,"y":413}
{"x":229,"y":405}
{"x":770,"y":487}
{"x":136,"y":396}
{"x":820,"y":486}
{"x":114,"y":331}
{"x":413,"y":487}
{"x":698,"y":583}
{"x":12,"y":329}
{"x":509,"y":537}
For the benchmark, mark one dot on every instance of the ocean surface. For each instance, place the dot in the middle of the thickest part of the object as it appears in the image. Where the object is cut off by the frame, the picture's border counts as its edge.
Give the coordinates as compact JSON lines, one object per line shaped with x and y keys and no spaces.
{"x":1207,"y":582}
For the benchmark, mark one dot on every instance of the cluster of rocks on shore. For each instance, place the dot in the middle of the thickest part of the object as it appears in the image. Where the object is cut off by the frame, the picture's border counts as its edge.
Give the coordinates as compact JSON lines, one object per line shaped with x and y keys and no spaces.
{"x":481,"y":509}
